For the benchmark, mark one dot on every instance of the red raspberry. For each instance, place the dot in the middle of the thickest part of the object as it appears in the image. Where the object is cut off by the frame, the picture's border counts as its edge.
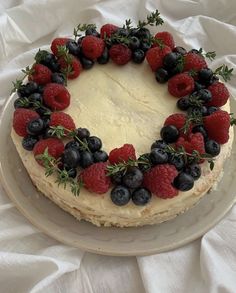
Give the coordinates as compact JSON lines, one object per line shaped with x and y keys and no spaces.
{"x":195,"y":141}
{"x":122,"y":154}
{"x":92,"y":47}
{"x":74,"y":64}
{"x":41,"y":74}
{"x":217,"y":126}
{"x":56,"y":96}
{"x":95,"y":178}
{"x":58,"y":42}
{"x":54,"y":146}
{"x":107,"y":30}
{"x":120,"y":54}
{"x":180,"y":85}
{"x":220,"y":94}
{"x":193,"y":61}
{"x":21,"y":118}
{"x":62,"y":119}
{"x":159,"y":180}
{"x":166,"y":38}
{"x":155,"y":56}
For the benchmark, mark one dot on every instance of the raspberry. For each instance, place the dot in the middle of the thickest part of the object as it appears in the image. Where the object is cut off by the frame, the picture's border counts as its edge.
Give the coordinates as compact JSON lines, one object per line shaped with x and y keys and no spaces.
{"x":180,"y":85}
{"x":195,"y":141}
{"x":122,"y":154}
{"x":95,"y":178}
{"x":56,"y":96}
{"x":193,"y":61}
{"x":58,"y":42}
{"x":107,"y":30}
{"x":41,"y":74}
{"x":54,"y":146}
{"x":120,"y":54}
{"x":178,"y":120}
{"x":220,"y":94}
{"x":166,"y":38}
{"x":62,"y":119}
{"x":155,"y":56}
{"x":92,"y":47}
{"x":217,"y":126}
{"x":159,"y":180}
{"x":21,"y":118}
{"x":74,"y":64}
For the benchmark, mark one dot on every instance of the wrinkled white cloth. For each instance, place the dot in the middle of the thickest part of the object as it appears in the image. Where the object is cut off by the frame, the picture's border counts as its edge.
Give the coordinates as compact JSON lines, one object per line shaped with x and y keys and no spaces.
{"x":33,"y":262}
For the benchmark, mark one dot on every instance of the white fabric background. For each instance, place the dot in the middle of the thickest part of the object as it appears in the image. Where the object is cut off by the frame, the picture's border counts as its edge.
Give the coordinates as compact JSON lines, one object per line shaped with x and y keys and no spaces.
{"x":32,"y":262}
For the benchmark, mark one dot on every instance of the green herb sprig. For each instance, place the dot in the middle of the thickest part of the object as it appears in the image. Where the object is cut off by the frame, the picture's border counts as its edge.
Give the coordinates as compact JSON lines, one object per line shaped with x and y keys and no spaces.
{"x":19,"y":82}
{"x":224,"y":71}
{"x":152,"y":19}
{"x":81,"y":28}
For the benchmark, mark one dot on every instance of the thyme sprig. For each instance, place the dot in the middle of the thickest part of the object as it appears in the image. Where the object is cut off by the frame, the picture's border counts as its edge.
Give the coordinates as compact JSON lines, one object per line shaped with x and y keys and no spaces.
{"x":68,"y":58}
{"x":192,"y":118}
{"x":81,"y":28}
{"x":152,"y":19}
{"x":60,"y":132}
{"x":19,"y":82}
{"x":209,"y":55}
{"x":51,"y":167}
{"x":128,"y":24}
{"x":224,"y":71}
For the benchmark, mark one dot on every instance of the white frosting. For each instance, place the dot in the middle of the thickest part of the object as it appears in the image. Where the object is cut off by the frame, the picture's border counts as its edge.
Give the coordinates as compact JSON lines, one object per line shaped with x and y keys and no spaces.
{"x":120,"y":105}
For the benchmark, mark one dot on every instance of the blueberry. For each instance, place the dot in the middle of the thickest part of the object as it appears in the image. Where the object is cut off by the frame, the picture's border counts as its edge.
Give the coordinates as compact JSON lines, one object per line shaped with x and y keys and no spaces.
{"x":46,"y":121}
{"x":194,"y":170}
{"x":158,"y":156}
{"x":183,"y":103}
{"x":133,"y":177}
{"x":169,"y":133}
{"x":204,"y":95}
{"x":29,"y":142}
{"x":180,"y":50}
{"x":94,"y":143}
{"x":184,"y":181}
{"x":71,"y":158}
{"x":133,"y":31}
{"x":213,"y":80}
{"x":212,"y":109}
{"x":58,"y":78}
{"x":100,"y":156}
{"x":86,"y":159}
{"x":160,"y":144}
{"x":145,"y":46}
{"x":138,"y":56}
{"x":205,"y":75}
{"x":72,"y":145}
{"x":35,"y":126}
{"x":104,"y":58}
{"x":161,"y":75}
{"x":21,"y":91}
{"x":212,"y":147}
{"x":177,"y":161}
{"x":117,"y":178}
{"x":171,"y":60}
{"x":21,"y":103}
{"x":198,"y":86}
{"x":35,"y":99}
{"x":43,"y":111}
{"x":120,"y":195}
{"x":134,"y":43}
{"x":40,"y":88}
{"x":30,"y":88}
{"x":198,"y":111}
{"x":47,"y":59}
{"x":123,"y":32}
{"x":143,"y":34}
{"x":141,"y":196}
{"x":201,"y":129}
{"x":73,"y":47}
{"x":195,"y":51}
{"x":145,"y":162}
{"x":54,"y":66}
{"x":92,"y":32}
{"x":83,"y":133}
{"x":86,"y":63}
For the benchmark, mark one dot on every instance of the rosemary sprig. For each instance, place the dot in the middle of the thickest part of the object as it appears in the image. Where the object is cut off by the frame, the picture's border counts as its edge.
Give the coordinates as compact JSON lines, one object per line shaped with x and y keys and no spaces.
{"x":152,"y":19}
{"x":81,"y":28}
{"x":224,"y":71}
{"x":19,"y":82}
{"x":51,"y":167}
{"x":60,"y":132}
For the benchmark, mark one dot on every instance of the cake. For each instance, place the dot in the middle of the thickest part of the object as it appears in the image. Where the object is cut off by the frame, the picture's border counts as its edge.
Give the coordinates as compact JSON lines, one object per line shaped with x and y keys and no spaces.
{"x":124,"y":105}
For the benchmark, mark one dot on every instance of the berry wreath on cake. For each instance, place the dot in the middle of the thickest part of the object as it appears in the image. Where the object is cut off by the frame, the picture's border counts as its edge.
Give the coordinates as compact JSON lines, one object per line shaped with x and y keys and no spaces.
{"x":123,"y":145}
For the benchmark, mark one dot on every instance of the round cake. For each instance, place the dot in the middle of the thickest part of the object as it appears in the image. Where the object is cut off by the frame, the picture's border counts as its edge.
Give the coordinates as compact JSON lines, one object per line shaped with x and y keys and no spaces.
{"x":124,"y":106}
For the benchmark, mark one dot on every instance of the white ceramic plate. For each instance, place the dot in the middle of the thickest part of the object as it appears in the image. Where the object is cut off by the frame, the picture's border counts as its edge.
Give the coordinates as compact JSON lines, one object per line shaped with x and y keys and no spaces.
{"x":49,"y":218}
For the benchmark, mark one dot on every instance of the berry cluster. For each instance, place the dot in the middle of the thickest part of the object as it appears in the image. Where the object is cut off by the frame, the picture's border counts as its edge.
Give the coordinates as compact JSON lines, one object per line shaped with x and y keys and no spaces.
{"x":187,"y":139}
